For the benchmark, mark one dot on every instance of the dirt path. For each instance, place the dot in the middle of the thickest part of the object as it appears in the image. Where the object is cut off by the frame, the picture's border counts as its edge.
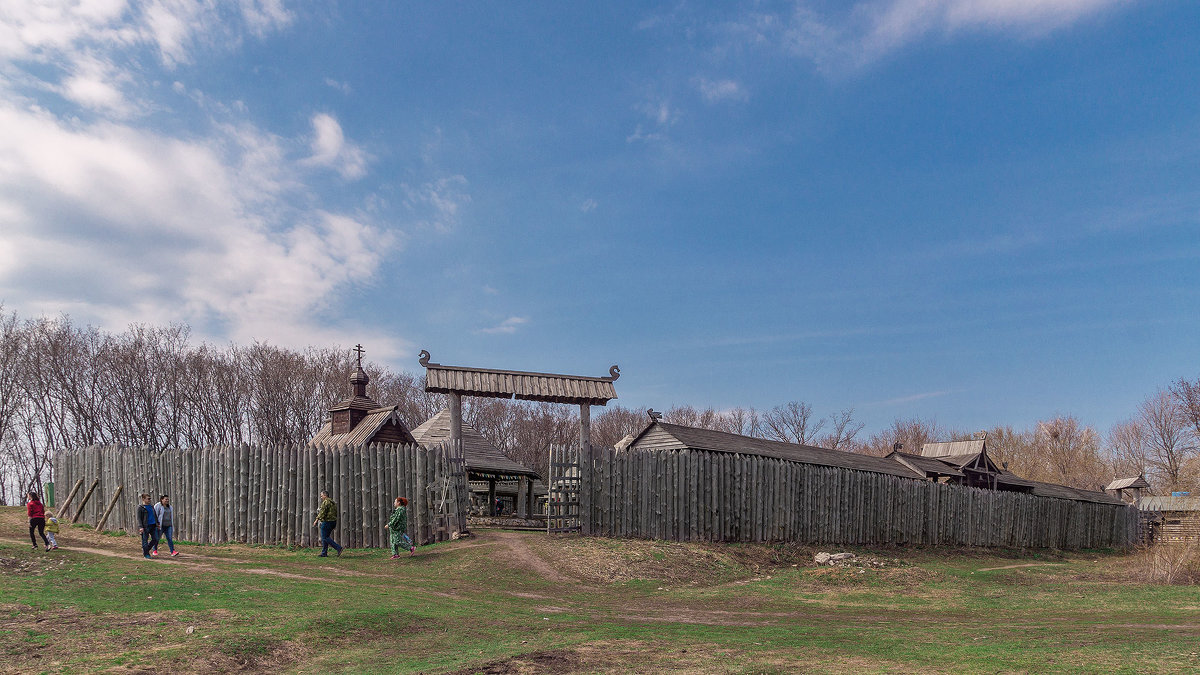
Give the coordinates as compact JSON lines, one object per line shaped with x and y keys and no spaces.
{"x":1013,"y":567}
{"x":520,"y":556}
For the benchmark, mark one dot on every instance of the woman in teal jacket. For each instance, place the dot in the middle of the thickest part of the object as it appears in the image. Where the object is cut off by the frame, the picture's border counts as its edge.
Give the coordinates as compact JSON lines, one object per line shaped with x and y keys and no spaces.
{"x":398,"y":528}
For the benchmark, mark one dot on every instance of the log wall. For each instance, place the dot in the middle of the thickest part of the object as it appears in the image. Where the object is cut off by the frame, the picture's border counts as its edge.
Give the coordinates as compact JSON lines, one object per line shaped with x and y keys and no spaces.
{"x":706,"y":496}
{"x":270,"y":494}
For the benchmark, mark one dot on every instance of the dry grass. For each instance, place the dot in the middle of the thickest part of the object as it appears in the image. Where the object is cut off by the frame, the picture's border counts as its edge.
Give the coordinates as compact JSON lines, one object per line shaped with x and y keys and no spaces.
{"x":1168,"y":563}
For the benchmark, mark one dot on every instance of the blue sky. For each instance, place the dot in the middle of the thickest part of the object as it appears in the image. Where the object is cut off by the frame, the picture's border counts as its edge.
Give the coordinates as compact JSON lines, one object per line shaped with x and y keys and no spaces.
{"x":978,"y":212}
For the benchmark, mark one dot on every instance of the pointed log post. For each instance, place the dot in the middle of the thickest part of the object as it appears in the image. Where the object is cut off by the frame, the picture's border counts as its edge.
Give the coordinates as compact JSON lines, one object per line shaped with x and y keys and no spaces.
{"x":111,"y":503}
{"x":86,"y":497}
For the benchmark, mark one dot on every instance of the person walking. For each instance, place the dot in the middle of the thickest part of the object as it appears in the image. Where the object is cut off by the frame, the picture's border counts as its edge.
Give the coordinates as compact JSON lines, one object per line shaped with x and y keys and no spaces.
{"x":397,"y":526}
{"x":37,"y":518}
{"x":52,"y":530}
{"x":166,"y":523}
{"x":327,"y":521}
{"x":147,"y":526}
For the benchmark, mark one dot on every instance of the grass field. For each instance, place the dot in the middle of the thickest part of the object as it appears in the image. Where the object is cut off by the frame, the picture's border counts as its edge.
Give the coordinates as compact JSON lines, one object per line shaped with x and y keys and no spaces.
{"x":507,"y":602}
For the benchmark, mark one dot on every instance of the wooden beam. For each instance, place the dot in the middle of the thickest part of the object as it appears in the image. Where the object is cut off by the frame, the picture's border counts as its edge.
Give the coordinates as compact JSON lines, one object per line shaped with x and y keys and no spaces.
{"x":585,"y":426}
{"x":62,"y":510}
{"x":83,"y":503}
{"x":111,"y":503}
{"x":455,"y":417}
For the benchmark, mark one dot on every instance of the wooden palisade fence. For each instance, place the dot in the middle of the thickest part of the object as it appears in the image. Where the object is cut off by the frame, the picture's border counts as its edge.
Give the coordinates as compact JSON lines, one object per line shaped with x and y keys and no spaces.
{"x":269,"y":494}
{"x":706,"y":496}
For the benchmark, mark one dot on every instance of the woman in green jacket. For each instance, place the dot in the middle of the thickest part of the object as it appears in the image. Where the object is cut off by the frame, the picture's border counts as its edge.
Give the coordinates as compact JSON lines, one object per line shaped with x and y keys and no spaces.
{"x":398,"y":527}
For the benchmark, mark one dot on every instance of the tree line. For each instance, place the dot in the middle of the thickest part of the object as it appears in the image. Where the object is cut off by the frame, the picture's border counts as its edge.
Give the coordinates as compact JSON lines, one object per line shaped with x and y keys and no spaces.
{"x":64,"y":385}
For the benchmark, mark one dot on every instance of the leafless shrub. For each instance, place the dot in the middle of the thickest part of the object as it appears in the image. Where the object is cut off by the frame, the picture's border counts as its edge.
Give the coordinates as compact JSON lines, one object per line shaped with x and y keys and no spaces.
{"x":1168,"y":562}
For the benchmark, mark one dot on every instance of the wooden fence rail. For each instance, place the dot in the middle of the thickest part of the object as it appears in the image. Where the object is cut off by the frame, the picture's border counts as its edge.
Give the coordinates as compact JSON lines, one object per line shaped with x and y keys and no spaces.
{"x":705,"y":496}
{"x":269,"y":494}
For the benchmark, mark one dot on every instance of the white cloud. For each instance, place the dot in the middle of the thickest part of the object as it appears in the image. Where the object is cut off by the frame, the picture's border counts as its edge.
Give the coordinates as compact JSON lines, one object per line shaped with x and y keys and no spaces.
{"x":507,"y":326}
{"x":854,"y":35}
{"x":113,"y":221}
{"x":588,"y":205}
{"x":82,"y":38}
{"x":720,"y":90}
{"x":331,"y":149}
{"x":152,"y":228}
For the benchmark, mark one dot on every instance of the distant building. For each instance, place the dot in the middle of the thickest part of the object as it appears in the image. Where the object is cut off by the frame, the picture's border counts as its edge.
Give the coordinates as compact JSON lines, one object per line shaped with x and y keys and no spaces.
{"x":1171,"y":520}
{"x":958,"y":462}
{"x":1128,"y":490}
{"x":359,"y":420}
{"x":491,"y":474}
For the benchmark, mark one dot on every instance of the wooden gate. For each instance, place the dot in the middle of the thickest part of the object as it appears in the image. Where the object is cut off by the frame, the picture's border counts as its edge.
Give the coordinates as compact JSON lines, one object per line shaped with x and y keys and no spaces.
{"x":447,"y":496}
{"x":564,"y":483}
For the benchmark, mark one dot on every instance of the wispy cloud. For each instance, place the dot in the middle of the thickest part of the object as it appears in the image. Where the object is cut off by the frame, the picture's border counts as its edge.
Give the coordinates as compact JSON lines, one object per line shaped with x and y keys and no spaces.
{"x":719,"y":91}
{"x":848,"y":36}
{"x":436,"y":204}
{"x":916,"y":397}
{"x":588,"y":205}
{"x":343,"y":87}
{"x":660,"y":116}
{"x":507,"y":326}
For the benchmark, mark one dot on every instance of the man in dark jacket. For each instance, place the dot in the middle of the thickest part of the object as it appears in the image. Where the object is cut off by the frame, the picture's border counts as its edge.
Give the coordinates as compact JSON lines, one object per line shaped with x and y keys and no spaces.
{"x":147,"y":526}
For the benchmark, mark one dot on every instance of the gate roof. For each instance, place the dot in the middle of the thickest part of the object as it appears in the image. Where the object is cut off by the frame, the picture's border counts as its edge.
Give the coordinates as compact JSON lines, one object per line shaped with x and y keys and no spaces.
{"x":518,"y":384}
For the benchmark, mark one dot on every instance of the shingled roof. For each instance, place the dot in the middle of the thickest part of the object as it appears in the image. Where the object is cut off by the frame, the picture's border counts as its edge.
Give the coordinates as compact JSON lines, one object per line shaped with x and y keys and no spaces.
{"x":1054,"y":490}
{"x":525,"y":386}
{"x":926,"y":465}
{"x":953,"y":448}
{"x":1127,"y":483}
{"x":365,"y":431}
{"x":479,"y":454}
{"x":661,"y":435}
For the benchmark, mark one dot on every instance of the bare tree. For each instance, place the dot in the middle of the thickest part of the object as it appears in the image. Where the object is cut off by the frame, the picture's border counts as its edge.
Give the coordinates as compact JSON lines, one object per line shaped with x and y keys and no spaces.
{"x":910,"y":433}
{"x":617,"y":422}
{"x":1126,"y":446}
{"x":792,"y":422}
{"x":1068,"y":453}
{"x":842,"y":435}
{"x":1168,"y":441}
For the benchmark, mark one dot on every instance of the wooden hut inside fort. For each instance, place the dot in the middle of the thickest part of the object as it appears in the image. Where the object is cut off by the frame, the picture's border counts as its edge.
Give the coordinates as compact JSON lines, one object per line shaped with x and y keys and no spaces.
{"x":963,"y":463}
{"x":1171,"y":520}
{"x":491,"y":474}
{"x":660,"y":435}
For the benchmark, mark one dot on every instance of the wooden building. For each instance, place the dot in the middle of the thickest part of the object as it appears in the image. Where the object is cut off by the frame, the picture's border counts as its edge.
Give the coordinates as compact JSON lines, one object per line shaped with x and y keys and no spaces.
{"x":490,"y":473}
{"x":359,"y":420}
{"x":1129,"y":490}
{"x":967,"y":462}
{"x":963,"y":463}
{"x":1172,"y":520}
{"x":665,"y":436}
